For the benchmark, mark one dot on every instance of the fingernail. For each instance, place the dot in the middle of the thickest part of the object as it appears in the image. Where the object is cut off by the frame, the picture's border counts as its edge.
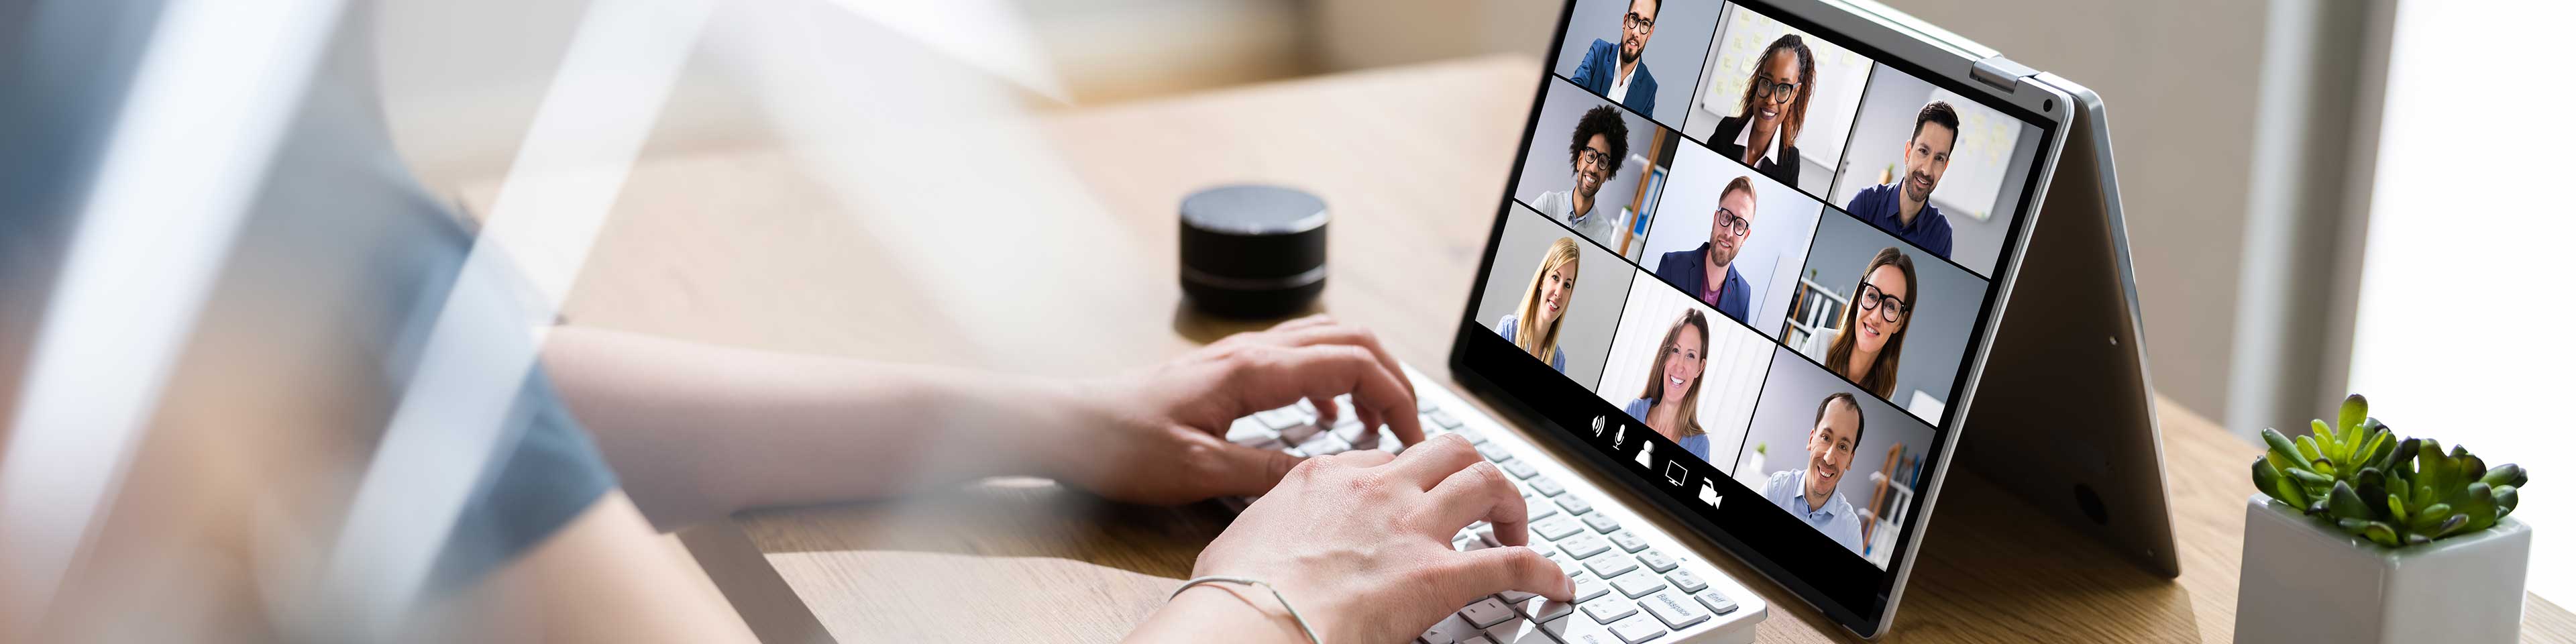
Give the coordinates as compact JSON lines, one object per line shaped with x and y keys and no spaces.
{"x":1566,"y":585}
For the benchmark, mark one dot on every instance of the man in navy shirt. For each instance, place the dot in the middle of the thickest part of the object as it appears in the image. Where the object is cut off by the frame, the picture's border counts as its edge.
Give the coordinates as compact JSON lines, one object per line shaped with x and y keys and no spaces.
{"x":1618,"y":72}
{"x":1708,"y":272}
{"x":1905,"y":209}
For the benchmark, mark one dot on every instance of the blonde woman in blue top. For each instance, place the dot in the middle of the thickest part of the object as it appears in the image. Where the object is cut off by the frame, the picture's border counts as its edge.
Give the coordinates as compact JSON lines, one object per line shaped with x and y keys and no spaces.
{"x":1533,"y":326}
{"x":1670,"y":404}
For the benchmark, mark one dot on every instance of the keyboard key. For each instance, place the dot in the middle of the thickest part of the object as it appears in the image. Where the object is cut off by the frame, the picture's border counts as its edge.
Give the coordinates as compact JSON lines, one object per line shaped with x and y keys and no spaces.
{"x":1717,"y":602}
{"x":1554,"y":528}
{"x":1675,"y":609}
{"x":1543,"y":609}
{"x":1583,"y":546}
{"x":1611,"y":567}
{"x":1601,"y":523}
{"x":1494,"y":452}
{"x":1478,"y":639}
{"x":1541,"y":511}
{"x":1299,"y":433}
{"x":1627,"y":541}
{"x":1572,"y":629}
{"x":1657,"y":560}
{"x":1248,"y":430}
{"x":1486,"y":612}
{"x":1323,"y":444}
{"x":1636,"y":629}
{"x":1353,"y":433}
{"x":1450,"y":630}
{"x":1546,"y":486}
{"x":1517,"y":630}
{"x":1514,"y":596}
{"x":1588,"y":588}
{"x":1608,"y":611}
{"x":1637,"y":584}
{"x":1443,"y":419}
{"x":1574,"y":504}
{"x":1473,"y":437}
{"x":1280,"y":418}
{"x":1520,"y":469}
{"x":1689,"y":583}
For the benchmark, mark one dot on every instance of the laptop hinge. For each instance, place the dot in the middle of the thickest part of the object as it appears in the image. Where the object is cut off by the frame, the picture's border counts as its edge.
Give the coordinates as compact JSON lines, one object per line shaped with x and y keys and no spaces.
{"x":2001,"y":72}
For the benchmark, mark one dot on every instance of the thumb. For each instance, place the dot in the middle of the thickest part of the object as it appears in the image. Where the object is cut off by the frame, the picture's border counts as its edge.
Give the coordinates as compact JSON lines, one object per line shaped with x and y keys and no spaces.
{"x":1244,"y":471}
{"x":1493,"y":570}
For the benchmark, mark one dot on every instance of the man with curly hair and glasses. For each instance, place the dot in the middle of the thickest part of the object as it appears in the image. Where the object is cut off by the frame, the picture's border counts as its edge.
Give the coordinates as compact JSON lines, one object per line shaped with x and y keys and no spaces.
{"x":1600,"y":145}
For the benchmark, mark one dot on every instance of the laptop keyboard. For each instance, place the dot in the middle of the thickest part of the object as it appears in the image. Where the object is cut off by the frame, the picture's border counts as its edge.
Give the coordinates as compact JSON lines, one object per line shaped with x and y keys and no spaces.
{"x":1627,"y":589}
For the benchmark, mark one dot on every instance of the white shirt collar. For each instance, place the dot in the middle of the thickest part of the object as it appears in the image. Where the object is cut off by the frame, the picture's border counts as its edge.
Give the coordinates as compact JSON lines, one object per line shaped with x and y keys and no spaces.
{"x":1744,"y":137}
{"x":1619,"y":83}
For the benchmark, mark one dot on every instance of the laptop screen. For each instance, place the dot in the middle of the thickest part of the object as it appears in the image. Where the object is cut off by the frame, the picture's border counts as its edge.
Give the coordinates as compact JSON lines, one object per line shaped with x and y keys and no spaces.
{"x":1748,"y":261}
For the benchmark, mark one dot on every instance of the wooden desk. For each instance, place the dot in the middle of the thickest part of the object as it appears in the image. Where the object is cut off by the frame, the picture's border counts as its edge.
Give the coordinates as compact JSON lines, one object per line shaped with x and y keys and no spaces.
{"x":745,"y":248}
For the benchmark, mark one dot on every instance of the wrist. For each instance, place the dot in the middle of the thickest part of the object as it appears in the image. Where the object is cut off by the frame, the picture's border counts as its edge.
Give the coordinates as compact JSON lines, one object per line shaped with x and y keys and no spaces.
{"x":1247,"y":613}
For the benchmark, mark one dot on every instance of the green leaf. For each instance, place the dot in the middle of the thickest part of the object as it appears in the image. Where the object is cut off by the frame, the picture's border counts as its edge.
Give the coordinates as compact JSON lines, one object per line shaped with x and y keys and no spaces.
{"x":2309,"y":478}
{"x":2351,"y":446}
{"x":2430,"y":516}
{"x":2376,"y":449}
{"x":2282,"y":453}
{"x":2480,"y":508}
{"x":2405,"y":453}
{"x":2354,"y":409}
{"x":2308,"y":450}
{"x":2381,"y":534}
{"x":2269,"y":480}
{"x":2397,"y":508}
{"x":2506,"y":497}
{"x":2449,"y":526}
{"x":2319,"y":430}
{"x":2414,"y":539}
{"x":2343,"y":503}
{"x":2503,"y":475}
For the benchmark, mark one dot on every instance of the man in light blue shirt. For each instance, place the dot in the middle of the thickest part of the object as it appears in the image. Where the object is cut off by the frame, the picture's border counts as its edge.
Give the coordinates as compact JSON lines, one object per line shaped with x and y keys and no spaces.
{"x":1809,"y":493}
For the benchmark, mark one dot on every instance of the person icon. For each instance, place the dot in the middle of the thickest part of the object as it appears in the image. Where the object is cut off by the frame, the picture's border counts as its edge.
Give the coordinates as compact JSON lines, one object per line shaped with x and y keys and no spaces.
{"x":1646,"y":455}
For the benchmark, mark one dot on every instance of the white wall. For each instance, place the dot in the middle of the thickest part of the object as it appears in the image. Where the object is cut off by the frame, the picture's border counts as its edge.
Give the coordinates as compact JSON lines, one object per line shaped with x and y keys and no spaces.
{"x":2464,"y":305}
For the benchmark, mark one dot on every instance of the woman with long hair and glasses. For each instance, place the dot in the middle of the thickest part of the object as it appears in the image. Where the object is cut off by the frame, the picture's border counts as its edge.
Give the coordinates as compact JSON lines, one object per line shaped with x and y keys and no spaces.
{"x":1533,"y":326}
{"x":1670,"y":404}
{"x":1763,"y":133}
{"x":1873,"y":333}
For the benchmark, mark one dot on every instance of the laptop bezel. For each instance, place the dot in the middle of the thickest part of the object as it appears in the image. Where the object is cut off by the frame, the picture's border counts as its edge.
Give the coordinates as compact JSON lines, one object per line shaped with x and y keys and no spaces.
{"x":1909,"y":46}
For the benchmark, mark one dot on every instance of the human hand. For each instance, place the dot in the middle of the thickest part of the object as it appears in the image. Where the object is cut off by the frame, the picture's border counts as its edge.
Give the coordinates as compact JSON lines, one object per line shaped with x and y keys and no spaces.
{"x":1359,"y":542}
{"x":1159,"y":436}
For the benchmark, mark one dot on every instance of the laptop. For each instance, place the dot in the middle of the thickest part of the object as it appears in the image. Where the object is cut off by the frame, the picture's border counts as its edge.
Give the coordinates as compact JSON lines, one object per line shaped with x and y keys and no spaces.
{"x":1751,"y":267}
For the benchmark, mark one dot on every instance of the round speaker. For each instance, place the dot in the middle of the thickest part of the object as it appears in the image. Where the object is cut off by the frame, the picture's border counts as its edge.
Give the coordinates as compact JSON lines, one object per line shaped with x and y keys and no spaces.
{"x":1252,"y":251}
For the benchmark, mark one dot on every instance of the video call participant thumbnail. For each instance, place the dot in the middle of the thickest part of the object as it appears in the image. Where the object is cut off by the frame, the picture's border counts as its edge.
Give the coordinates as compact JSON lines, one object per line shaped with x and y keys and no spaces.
{"x":1600,"y":146}
{"x":1866,"y":349}
{"x":1904,"y":208}
{"x":1708,"y":272}
{"x":1808,"y":493}
{"x":1618,"y":72}
{"x":1533,"y":326}
{"x":1763,"y":133}
{"x":1670,"y":403}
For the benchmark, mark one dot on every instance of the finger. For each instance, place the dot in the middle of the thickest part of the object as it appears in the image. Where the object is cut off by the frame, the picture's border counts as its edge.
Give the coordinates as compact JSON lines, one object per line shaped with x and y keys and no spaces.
{"x":1364,"y":458}
{"x":1481,"y":491}
{"x":1323,"y":372}
{"x":1327,"y":332}
{"x":1307,"y":322}
{"x":1244,"y":471}
{"x":1431,"y":462}
{"x":1494,"y":570}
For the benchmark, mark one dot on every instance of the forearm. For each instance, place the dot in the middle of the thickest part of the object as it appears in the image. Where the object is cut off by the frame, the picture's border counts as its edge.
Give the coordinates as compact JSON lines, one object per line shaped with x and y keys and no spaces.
{"x":697,"y":432}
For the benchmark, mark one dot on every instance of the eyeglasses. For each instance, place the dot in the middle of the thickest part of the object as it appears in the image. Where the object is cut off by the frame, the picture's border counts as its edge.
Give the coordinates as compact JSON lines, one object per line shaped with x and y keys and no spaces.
{"x":1776,"y":91}
{"x":1596,"y":158}
{"x":1726,"y":219}
{"x":1889,"y":307}
{"x":1639,"y":23}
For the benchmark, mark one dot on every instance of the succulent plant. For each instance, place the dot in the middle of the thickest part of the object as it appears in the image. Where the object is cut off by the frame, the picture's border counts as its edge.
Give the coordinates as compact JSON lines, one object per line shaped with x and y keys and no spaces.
{"x":2357,"y":476}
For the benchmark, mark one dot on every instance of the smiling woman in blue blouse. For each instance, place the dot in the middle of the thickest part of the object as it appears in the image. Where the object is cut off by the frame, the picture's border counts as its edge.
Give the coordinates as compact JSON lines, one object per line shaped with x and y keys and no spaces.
{"x":1670,"y":404}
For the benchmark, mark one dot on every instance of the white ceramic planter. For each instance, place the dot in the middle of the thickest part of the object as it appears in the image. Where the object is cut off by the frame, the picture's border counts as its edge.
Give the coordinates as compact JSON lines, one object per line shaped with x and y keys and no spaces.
{"x":2303,"y":582}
